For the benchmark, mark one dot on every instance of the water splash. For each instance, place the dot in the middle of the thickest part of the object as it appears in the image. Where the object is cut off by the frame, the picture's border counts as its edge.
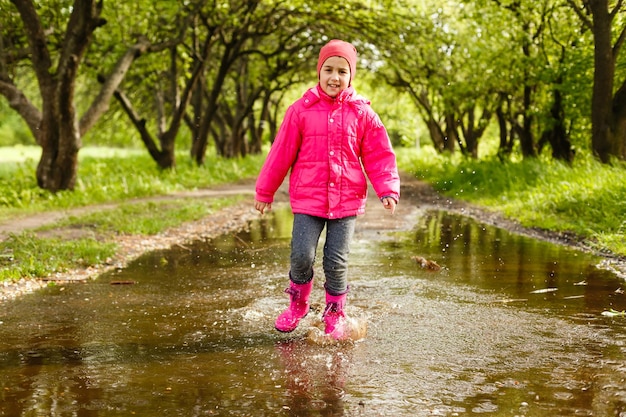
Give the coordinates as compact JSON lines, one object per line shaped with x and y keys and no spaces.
{"x":356,"y":331}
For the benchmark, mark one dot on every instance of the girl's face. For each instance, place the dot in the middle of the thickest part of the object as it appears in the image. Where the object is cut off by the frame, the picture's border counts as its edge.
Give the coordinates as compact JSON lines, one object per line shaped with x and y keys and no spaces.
{"x":335,"y":75}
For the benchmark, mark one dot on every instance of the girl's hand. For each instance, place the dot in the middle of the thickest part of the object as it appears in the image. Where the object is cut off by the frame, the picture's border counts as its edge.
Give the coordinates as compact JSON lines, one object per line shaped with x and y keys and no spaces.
{"x":261,"y":207}
{"x":389,"y":204}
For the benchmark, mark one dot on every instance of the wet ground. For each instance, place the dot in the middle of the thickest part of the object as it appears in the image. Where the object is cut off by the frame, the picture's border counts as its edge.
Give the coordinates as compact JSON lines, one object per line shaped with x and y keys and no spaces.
{"x":509,"y":326}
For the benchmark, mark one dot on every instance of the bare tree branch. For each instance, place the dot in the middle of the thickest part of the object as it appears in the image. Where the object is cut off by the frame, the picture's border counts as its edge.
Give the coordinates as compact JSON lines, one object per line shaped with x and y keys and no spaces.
{"x":101,"y":102}
{"x":580,"y":11}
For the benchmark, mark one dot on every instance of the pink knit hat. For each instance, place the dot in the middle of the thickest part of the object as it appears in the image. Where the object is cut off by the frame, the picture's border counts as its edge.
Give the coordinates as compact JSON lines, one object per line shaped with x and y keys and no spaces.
{"x":338,"y":48}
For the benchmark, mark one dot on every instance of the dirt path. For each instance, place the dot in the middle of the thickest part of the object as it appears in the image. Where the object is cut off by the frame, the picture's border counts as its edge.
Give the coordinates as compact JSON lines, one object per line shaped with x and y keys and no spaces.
{"x":415,"y":195}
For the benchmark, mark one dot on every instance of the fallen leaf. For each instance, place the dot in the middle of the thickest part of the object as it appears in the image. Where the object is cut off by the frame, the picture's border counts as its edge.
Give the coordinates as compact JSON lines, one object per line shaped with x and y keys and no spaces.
{"x":544,"y":290}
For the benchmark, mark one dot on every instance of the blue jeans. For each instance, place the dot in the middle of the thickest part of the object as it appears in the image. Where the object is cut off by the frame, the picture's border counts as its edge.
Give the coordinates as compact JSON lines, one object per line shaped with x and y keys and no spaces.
{"x":304,"y":239}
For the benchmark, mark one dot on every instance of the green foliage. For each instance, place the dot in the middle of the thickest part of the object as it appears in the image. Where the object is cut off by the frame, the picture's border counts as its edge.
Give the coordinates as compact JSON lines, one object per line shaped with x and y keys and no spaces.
{"x":113,"y":130}
{"x":26,"y":256}
{"x":462,"y":60}
{"x":395,"y":109}
{"x":13,"y":130}
{"x":587,"y":198}
{"x":456,"y":58}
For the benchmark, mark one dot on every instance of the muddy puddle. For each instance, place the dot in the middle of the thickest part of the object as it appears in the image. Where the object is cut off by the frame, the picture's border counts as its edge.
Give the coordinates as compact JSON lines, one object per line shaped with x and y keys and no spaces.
{"x":508,"y":326}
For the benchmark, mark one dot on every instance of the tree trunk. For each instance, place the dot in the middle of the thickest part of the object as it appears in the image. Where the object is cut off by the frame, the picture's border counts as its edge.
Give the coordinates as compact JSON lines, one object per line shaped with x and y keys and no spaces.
{"x":163,"y":156}
{"x":469,"y":134}
{"x":57,"y":131}
{"x":200,"y":142}
{"x":220,"y":136}
{"x":619,"y":123}
{"x":256,"y":140}
{"x":604,"y":72}
{"x":526,"y":137}
{"x":436,"y":135}
{"x":60,"y":142}
{"x":452,"y":134}
{"x":506,"y":135}
{"x":193,"y":118}
{"x":556,"y":135}
{"x":473,"y":129}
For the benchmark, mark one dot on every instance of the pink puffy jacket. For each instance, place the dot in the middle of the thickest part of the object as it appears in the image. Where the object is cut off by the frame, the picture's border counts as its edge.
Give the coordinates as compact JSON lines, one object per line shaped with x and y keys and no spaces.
{"x":328,"y":143}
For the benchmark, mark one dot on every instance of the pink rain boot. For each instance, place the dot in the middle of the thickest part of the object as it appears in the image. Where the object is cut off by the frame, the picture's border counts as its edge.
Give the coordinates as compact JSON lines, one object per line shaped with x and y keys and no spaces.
{"x":289,"y":319}
{"x":335,"y":318}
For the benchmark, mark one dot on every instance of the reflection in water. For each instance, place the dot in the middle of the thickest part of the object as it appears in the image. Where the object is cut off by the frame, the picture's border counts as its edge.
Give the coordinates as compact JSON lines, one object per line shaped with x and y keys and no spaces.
{"x":508,"y":326}
{"x":315,"y":377}
{"x":519,"y":267}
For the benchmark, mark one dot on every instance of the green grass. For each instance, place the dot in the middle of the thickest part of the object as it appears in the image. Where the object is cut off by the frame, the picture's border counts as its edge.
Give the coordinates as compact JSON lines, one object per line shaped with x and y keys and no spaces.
{"x":27,"y":256}
{"x":586,"y":198}
{"x":147,"y":218}
{"x":104,"y":176}
{"x":113,"y":176}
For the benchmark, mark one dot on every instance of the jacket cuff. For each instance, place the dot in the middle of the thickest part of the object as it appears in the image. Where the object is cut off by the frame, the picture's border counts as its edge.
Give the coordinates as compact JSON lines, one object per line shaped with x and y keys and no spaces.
{"x":264,"y":198}
{"x":393,"y":197}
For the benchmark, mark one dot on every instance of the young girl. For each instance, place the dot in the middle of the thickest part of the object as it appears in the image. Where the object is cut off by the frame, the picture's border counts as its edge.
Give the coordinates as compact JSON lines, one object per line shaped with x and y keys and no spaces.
{"x":327,"y":139}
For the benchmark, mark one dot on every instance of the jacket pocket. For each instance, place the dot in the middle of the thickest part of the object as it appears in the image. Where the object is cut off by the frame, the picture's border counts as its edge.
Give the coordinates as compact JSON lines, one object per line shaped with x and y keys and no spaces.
{"x":354,"y":181}
{"x":308,"y":178}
